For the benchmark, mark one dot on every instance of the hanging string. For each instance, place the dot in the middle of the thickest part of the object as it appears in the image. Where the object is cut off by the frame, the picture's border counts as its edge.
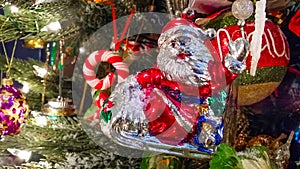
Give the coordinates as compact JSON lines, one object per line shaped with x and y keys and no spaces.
{"x":140,"y":30}
{"x":125,"y":28}
{"x":192,"y":3}
{"x":5,"y":53}
{"x":114,"y":21}
{"x":9,"y":63}
{"x":12,"y":57}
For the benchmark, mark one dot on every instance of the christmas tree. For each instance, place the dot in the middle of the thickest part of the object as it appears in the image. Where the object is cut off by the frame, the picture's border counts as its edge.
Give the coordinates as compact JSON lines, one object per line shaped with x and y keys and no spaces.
{"x":103,"y":92}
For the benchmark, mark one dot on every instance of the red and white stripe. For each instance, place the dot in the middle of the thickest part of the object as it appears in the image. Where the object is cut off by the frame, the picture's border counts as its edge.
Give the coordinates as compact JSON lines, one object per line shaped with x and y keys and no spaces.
{"x":104,"y":56}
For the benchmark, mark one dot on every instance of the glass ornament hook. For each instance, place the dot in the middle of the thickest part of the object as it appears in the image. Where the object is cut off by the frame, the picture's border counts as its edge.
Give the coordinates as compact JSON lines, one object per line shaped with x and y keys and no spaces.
{"x":242,"y":10}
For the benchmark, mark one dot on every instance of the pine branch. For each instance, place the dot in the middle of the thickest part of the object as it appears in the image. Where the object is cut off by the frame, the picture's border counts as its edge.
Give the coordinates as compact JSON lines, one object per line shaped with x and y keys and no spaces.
{"x":64,"y":144}
{"x":23,"y":72}
{"x":29,"y":21}
{"x":93,"y":16}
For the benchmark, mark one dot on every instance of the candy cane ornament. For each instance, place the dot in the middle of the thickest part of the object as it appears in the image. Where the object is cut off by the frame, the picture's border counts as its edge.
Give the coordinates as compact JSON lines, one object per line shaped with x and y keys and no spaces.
{"x":104,"y":56}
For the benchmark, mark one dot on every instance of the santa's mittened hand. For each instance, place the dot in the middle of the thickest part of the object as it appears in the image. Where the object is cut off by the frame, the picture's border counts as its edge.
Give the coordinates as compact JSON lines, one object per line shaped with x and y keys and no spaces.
{"x":238,"y":52}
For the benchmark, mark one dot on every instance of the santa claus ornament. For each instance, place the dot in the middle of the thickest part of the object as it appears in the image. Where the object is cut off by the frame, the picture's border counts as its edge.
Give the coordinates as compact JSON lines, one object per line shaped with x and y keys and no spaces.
{"x":168,"y":108}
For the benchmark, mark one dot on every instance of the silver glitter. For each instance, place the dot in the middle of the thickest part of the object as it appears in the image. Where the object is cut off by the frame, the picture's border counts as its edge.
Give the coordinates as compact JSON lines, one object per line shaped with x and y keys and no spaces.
{"x":129,"y":101}
{"x":188,"y":41}
{"x":238,"y":52}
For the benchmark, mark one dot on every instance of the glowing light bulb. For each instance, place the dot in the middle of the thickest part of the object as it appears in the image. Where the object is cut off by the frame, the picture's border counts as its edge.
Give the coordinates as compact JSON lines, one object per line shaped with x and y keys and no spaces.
{"x":81,"y":50}
{"x":41,"y":121}
{"x":25,"y":155}
{"x":13,"y":9}
{"x":25,"y":88}
{"x":41,"y":72}
{"x":43,"y":1}
{"x":52,"y":27}
{"x":22,"y":154}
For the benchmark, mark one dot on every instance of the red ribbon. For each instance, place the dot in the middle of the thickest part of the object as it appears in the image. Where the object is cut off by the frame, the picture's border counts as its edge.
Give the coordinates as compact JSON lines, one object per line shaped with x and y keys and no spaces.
{"x":113,"y":10}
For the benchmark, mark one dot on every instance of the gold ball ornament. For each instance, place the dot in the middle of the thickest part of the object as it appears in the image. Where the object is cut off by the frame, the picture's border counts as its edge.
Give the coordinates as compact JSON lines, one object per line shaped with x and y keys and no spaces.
{"x":34,"y":43}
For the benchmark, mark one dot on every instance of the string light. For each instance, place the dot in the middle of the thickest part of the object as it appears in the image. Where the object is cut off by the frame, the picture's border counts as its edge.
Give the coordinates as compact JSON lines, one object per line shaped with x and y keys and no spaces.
{"x":25,"y":88}
{"x":81,"y":50}
{"x":22,"y":154}
{"x":41,"y":72}
{"x":40,"y":120}
{"x":13,"y":9}
{"x":52,"y":27}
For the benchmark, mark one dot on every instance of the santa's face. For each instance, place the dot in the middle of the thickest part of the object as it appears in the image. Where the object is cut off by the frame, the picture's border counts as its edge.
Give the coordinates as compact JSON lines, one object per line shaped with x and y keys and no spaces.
{"x":183,"y":56}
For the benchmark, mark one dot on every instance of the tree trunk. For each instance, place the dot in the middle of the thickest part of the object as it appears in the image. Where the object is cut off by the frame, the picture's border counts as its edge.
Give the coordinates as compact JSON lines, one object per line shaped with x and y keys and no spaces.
{"x":232,"y":115}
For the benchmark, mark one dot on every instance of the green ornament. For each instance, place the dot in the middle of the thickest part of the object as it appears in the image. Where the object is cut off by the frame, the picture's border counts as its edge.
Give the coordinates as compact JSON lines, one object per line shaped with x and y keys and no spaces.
{"x":53,"y":53}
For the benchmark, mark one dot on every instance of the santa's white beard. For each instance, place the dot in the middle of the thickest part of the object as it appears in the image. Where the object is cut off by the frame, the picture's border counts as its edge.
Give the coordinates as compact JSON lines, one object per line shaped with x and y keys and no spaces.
{"x":188,"y":71}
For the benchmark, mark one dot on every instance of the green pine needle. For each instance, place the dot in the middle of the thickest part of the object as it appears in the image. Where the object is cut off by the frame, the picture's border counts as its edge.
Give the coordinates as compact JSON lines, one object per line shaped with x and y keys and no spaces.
{"x":23,"y":72}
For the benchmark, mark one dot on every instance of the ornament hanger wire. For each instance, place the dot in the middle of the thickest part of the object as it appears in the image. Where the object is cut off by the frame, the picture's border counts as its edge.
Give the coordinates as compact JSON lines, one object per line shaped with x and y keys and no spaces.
{"x":114,"y":21}
{"x":191,"y":3}
{"x":9,"y":63}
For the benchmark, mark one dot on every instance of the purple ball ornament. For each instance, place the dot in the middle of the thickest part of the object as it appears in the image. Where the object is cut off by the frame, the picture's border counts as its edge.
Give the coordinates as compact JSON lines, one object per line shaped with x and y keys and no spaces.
{"x":14,"y":108}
